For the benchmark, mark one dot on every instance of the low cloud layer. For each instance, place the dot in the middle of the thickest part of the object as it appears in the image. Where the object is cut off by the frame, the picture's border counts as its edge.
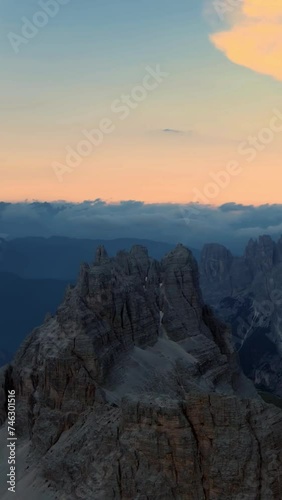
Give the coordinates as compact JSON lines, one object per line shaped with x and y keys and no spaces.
{"x":254,"y":39}
{"x":194,"y":225}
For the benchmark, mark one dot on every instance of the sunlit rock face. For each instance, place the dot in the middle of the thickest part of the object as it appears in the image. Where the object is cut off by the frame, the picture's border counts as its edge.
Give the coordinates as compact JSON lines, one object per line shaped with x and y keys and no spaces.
{"x":132,"y":391}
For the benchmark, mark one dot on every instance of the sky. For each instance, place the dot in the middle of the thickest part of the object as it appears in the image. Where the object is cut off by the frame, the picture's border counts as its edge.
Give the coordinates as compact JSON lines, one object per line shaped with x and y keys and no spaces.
{"x":156,"y":101}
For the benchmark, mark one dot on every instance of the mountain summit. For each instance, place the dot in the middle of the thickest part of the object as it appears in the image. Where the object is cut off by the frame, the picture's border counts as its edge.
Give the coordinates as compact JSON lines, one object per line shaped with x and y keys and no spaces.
{"x":132,"y":391}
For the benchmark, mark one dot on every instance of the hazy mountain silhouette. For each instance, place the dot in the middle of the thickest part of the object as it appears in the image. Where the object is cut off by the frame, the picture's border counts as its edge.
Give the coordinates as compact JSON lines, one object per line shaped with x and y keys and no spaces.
{"x":59,"y":257}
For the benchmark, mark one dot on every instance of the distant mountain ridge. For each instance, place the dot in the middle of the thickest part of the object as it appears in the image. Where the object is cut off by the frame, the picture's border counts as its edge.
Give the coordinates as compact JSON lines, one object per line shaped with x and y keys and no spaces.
{"x":60,"y":257}
{"x":246,"y":292}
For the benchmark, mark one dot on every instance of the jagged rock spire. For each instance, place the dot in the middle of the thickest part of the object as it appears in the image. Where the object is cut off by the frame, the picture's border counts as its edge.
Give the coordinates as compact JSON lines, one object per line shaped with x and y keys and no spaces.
{"x":101,"y":255}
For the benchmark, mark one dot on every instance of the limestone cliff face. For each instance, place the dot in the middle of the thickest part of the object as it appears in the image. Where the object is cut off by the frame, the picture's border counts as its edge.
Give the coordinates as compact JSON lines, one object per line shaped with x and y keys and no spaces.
{"x":246,"y":292}
{"x":196,"y":448}
{"x":133,"y":391}
{"x":261,"y":254}
{"x":223,"y":274}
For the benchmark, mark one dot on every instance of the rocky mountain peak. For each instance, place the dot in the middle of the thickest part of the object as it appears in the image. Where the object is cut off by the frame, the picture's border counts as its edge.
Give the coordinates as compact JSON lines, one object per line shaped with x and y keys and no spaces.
{"x":180,"y":255}
{"x":101,"y":255}
{"x":139,"y":251}
{"x":216,"y":261}
{"x":118,"y":305}
{"x":260,"y":254}
{"x":247,"y":296}
{"x":133,"y":386}
{"x":223,"y":274}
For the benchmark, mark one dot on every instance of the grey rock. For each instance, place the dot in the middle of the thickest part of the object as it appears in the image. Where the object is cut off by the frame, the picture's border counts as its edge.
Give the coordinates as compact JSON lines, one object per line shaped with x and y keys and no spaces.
{"x":246,"y":293}
{"x":133,"y":391}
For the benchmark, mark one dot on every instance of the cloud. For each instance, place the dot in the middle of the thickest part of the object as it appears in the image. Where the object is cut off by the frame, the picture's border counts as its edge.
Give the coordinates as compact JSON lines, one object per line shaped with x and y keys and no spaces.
{"x":194,"y":225}
{"x":255,"y":37}
{"x":272,"y":9}
{"x":172,"y":131}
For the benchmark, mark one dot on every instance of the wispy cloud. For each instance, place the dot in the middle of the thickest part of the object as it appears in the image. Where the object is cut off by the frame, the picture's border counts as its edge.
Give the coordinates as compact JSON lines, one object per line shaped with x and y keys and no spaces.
{"x":172,"y":131}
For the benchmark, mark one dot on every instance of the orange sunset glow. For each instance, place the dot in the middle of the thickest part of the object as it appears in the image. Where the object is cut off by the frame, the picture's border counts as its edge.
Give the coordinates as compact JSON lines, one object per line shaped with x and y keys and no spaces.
{"x":166,"y":137}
